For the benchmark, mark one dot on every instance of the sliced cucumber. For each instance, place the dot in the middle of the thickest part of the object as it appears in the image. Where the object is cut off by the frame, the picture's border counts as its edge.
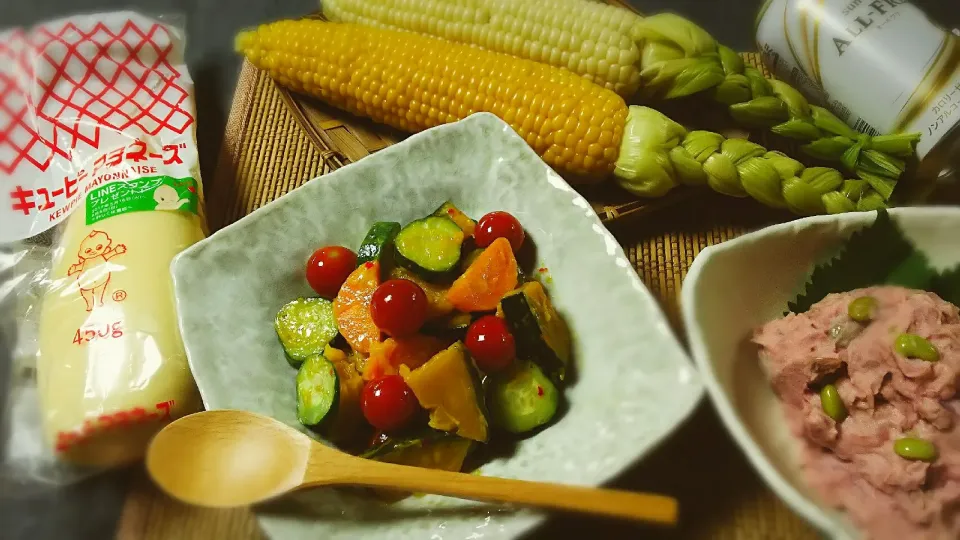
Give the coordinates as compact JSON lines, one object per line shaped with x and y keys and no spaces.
{"x":305,"y":326}
{"x":378,"y":244}
{"x":318,"y":390}
{"x":522,"y":399}
{"x":448,"y":209}
{"x":430,"y":246}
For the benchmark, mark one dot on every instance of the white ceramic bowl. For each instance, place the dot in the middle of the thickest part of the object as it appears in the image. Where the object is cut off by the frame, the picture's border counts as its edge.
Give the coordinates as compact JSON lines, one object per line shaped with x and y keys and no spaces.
{"x":635,"y":383}
{"x":737,"y":286}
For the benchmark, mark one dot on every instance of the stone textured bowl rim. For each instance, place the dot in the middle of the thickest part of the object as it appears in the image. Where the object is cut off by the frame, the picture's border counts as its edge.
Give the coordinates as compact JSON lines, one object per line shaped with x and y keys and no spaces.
{"x":667,"y":363}
{"x":837,"y":227}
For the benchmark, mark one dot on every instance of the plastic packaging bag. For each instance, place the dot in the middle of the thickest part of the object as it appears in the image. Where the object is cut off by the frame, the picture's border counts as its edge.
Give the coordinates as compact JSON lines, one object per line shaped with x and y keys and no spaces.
{"x":99,"y":190}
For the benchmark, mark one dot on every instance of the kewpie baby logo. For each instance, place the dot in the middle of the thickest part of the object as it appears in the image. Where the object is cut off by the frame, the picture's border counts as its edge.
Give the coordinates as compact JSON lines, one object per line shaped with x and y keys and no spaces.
{"x":168,"y":199}
{"x":92,"y":268}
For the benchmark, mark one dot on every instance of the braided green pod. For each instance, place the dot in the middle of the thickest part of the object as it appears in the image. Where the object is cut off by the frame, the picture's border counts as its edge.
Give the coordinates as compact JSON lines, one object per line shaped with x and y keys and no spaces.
{"x":680,"y":59}
{"x":658,"y":154}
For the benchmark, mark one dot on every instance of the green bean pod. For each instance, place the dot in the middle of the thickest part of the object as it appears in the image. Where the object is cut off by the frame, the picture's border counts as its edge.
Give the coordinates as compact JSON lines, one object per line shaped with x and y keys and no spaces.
{"x":914,"y":346}
{"x":832,"y":404}
{"x":862,"y":309}
{"x":915,"y":449}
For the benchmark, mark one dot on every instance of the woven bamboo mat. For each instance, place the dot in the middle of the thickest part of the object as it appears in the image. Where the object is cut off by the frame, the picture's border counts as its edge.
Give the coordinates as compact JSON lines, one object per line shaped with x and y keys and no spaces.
{"x":267,"y":152}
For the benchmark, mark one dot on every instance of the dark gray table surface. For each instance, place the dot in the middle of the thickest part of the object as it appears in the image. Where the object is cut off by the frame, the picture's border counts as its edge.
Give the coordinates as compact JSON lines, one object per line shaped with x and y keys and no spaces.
{"x":91,"y":509}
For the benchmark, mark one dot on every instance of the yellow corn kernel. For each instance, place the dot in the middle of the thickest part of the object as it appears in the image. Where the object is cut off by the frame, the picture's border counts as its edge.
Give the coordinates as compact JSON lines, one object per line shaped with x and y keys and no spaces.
{"x":589,"y":38}
{"x":414,"y":82}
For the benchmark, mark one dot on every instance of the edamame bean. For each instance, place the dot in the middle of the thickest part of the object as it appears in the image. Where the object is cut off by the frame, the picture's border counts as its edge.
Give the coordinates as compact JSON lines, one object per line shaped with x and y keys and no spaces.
{"x":862,"y":309}
{"x":832,"y":404}
{"x":914,"y":346}
{"x":915,"y":449}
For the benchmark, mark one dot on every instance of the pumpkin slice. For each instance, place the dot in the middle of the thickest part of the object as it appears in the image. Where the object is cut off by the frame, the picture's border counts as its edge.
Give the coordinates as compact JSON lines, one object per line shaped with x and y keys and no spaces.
{"x":437,"y":303}
{"x":452,"y":326}
{"x":352,"y":307}
{"x":463,"y":221}
{"x":446,"y":454}
{"x":492,"y":275}
{"x":434,"y":451}
{"x":349,"y":415}
{"x":411,"y":351}
{"x":541,"y":333}
{"x":445,"y":386}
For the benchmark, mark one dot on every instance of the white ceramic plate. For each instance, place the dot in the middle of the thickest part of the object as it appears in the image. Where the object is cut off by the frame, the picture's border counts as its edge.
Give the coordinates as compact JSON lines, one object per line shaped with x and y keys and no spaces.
{"x":635,"y":382}
{"x":737,"y":286}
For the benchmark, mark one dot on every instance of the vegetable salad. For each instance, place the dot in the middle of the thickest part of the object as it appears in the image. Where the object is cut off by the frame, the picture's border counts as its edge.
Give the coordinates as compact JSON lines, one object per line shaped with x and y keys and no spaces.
{"x":426,"y":341}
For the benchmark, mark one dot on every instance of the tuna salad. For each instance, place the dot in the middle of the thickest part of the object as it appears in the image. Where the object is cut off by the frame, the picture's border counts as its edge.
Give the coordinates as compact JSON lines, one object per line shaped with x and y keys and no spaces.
{"x":868,"y":383}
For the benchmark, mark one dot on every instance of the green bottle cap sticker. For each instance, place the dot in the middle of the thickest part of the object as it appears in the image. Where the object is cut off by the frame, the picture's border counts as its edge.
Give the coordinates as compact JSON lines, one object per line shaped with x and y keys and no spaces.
{"x":153,"y":193}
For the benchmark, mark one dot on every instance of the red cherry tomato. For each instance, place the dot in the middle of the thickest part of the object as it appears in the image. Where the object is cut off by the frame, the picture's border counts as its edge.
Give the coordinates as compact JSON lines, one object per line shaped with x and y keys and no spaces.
{"x":399,"y":307}
{"x":499,"y":225}
{"x":328,"y":268}
{"x":490,"y":343}
{"x":388,"y":403}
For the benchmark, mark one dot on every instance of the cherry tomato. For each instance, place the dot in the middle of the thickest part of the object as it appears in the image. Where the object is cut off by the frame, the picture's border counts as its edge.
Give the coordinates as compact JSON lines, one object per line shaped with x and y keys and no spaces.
{"x":499,"y":225}
{"x":328,"y":268}
{"x":388,"y":403}
{"x":490,"y":343}
{"x":399,"y":307}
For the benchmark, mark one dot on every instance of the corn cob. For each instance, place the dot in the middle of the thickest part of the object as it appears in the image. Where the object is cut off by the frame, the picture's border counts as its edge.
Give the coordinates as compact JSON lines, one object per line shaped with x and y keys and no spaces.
{"x":595,"y":42}
{"x":663,"y":56}
{"x":414,"y":82}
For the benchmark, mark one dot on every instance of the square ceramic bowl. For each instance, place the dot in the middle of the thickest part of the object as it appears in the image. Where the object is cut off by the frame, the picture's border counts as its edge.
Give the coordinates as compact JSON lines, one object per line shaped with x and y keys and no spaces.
{"x":635,"y":383}
{"x":734,"y":287}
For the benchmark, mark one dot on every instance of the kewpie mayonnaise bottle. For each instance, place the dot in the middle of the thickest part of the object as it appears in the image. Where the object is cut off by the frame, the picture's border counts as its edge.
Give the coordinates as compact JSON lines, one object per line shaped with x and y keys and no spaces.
{"x":112,"y":368}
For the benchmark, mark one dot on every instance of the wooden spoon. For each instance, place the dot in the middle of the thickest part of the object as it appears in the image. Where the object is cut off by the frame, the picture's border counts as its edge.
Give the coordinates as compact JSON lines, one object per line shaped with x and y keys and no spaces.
{"x":235,"y":458}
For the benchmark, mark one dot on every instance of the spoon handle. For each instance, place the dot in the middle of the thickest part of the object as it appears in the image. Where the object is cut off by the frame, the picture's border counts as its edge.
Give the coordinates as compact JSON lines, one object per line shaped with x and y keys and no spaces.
{"x":646,"y":507}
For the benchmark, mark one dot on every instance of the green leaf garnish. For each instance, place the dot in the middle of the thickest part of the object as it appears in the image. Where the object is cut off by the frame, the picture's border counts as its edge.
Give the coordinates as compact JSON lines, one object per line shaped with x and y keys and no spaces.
{"x":878,"y":254}
{"x":947,"y":286}
{"x":914,"y":272}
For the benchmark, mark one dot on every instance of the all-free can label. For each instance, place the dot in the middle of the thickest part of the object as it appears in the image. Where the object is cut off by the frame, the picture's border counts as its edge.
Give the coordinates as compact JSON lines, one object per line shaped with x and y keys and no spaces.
{"x":881,"y":65}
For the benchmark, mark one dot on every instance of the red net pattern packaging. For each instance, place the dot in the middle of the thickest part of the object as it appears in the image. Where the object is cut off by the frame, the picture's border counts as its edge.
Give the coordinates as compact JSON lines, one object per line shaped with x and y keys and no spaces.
{"x":72,"y":92}
{"x":99,"y":190}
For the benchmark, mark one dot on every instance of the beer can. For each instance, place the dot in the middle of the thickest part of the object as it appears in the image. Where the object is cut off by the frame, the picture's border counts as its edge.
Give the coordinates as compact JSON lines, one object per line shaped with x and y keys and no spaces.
{"x":880,"y":65}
